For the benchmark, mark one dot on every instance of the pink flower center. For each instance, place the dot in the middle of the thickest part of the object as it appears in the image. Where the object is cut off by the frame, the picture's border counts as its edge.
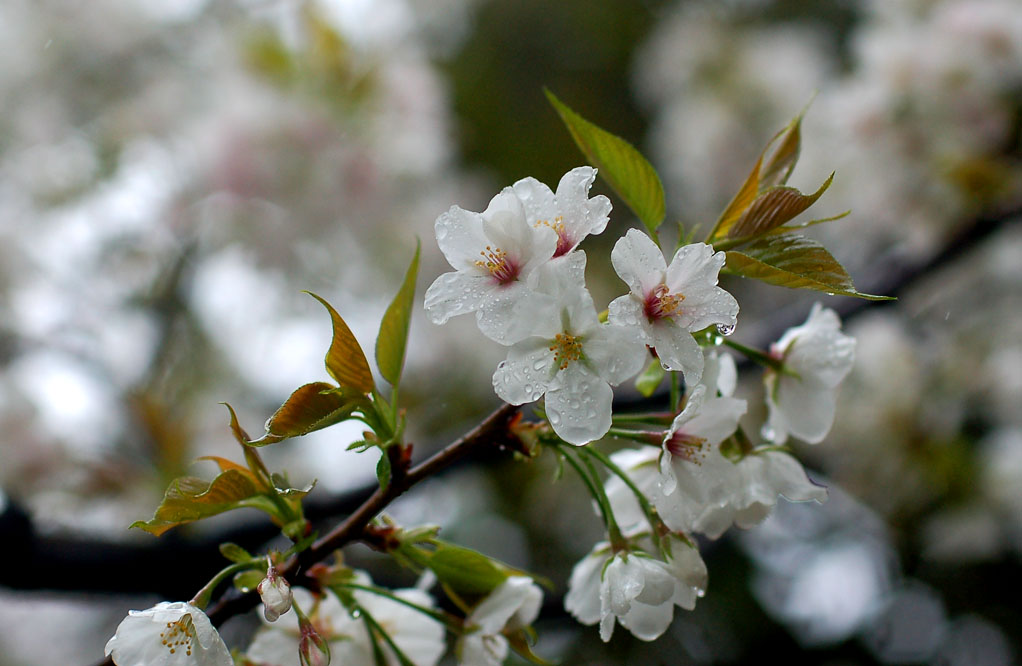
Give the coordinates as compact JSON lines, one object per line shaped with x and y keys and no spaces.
{"x":567,"y":348}
{"x":496,"y":261}
{"x":564,"y":241}
{"x":662,"y":303}
{"x":179,"y":635}
{"x":687,"y":447}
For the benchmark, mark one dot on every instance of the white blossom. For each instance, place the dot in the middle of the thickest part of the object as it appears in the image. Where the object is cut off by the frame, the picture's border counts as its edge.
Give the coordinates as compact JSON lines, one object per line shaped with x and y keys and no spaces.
{"x":816,"y":357}
{"x":275,"y":593}
{"x":168,"y":634}
{"x":511,"y":606}
{"x":494,"y":253}
{"x":668,"y":303}
{"x":571,"y":357}
{"x":570,"y":212}
{"x":635,"y":588}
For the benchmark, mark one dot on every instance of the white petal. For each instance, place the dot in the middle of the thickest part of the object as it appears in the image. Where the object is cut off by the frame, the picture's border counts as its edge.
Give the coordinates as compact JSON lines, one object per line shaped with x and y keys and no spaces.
{"x":627,"y":311}
{"x":693,"y":268}
{"x":808,"y":408}
{"x":678,"y":350}
{"x":825,"y":356}
{"x":720,"y":372}
{"x":641,"y":467}
{"x":273,"y":647}
{"x":715,"y":306}
{"x":453,"y":294}
{"x":459,"y":234}
{"x":579,"y":407}
{"x":583,"y":598}
{"x":504,"y":602}
{"x":504,"y":315}
{"x":615,"y":352}
{"x":716,"y":420}
{"x":639,"y":262}
{"x":537,"y":199}
{"x":139,"y":638}
{"x":648,"y":622}
{"x":480,"y":649}
{"x":582,"y":215}
{"x":526,"y":373}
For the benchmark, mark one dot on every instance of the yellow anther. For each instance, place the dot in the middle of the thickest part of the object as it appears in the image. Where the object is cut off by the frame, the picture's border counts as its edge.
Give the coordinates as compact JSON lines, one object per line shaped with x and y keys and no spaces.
{"x":567,"y":348}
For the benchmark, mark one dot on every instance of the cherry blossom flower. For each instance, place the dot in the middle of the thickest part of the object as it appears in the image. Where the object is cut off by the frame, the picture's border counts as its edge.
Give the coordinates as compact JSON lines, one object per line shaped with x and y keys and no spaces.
{"x":494,"y":253}
{"x":511,"y":606}
{"x":570,"y":212}
{"x":571,"y":357}
{"x":802,"y":398}
{"x":169,"y":633}
{"x":418,"y":636}
{"x":635,"y":588}
{"x":668,"y":303}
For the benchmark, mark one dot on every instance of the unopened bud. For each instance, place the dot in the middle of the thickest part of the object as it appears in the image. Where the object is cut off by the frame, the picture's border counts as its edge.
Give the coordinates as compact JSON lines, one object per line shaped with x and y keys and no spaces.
{"x":275,"y":593}
{"x":312,"y":648}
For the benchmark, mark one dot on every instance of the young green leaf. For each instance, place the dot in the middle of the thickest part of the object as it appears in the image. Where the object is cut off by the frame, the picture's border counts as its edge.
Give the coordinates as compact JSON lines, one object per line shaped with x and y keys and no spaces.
{"x":345,"y":360}
{"x":795,"y":262}
{"x":235,"y":553}
{"x":782,"y":162}
{"x":189,"y":498}
{"x":773,"y":208}
{"x":311,"y":407}
{"x":383,"y":471}
{"x":741,"y":201}
{"x":650,"y":379}
{"x":464,"y":570}
{"x":630,"y":174}
{"x":393,"y":337}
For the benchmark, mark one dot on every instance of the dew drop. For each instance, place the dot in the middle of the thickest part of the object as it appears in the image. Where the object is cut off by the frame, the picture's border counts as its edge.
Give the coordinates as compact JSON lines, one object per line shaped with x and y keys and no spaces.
{"x":718,"y":341}
{"x":538,"y":364}
{"x":725,"y":329}
{"x":768,"y":432}
{"x":554,"y":418}
{"x":441,"y":232}
{"x":528,"y":389}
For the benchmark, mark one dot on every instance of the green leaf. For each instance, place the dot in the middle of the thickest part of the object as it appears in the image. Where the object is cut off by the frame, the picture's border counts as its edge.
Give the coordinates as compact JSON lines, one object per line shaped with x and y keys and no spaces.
{"x":773,"y":208}
{"x":345,"y":360}
{"x":795,"y":262}
{"x":383,"y":471}
{"x":235,"y":553}
{"x":239,"y":433}
{"x":741,"y":201}
{"x":311,"y":407}
{"x":189,"y":498}
{"x":630,"y":174}
{"x":393,"y":337}
{"x":246,"y":581}
{"x":650,"y":379}
{"x":464,"y":570}
{"x":782,"y":162}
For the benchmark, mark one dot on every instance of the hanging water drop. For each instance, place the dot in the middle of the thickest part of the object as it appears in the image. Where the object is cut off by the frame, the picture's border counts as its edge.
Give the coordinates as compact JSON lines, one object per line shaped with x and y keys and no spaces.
{"x":725,"y":329}
{"x":767,"y":432}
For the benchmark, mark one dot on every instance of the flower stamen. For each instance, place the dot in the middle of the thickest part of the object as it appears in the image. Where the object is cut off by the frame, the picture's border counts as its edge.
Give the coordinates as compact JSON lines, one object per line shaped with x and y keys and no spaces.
{"x":496,"y":261}
{"x":662,"y":303}
{"x":179,"y":633}
{"x":687,"y":447}
{"x":567,"y":348}
{"x":564,"y":242}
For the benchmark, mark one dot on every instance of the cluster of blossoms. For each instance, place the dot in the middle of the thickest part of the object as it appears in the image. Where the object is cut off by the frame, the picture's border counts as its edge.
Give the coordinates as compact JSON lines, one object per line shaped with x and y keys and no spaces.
{"x":518,"y":267}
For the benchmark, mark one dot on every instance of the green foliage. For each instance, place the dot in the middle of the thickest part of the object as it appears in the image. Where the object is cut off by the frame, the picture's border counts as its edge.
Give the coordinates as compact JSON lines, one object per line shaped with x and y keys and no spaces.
{"x":345,"y":361}
{"x":464,"y":570}
{"x":234,"y":552}
{"x":393,"y":337}
{"x":383,"y":470}
{"x":246,"y":581}
{"x":190,"y":498}
{"x":630,"y":174}
{"x":311,"y":407}
{"x":774,"y":207}
{"x":650,"y":379}
{"x":795,"y":262}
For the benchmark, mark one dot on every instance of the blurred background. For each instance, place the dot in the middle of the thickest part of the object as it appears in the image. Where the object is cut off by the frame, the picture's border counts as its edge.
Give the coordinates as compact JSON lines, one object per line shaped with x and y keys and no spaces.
{"x":172,"y":174}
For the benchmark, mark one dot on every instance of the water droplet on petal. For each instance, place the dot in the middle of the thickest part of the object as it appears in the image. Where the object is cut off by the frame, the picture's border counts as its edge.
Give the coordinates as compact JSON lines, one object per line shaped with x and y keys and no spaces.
{"x":538,"y":364}
{"x":725,"y":329}
{"x":768,"y":432}
{"x":555,"y":419}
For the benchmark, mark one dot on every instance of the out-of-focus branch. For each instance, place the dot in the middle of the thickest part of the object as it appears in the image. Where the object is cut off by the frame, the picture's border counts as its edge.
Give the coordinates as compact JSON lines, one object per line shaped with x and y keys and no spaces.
{"x":493,"y":432}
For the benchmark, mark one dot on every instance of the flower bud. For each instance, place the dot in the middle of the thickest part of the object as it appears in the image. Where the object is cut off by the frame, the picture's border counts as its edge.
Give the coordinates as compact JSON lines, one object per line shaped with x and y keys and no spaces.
{"x":312,"y":648}
{"x":275,"y":593}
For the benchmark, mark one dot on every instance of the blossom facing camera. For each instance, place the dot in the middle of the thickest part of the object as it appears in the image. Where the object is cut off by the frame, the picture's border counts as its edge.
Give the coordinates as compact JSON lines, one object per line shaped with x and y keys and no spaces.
{"x":802,"y":397}
{"x":570,"y":212}
{"x":275,"y":594}
{"x":168,"y":634}
{"x":494,"y":254}
{"x":667,"y":303}
{"x":571,"y":357}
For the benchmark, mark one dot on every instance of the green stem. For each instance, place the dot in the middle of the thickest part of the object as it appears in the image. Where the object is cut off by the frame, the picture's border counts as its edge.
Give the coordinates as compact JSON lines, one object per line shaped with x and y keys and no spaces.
{"x":598,"y":495}
{"x":201,"y":598}
{"x":642,"y":436}
{"x":649,"y":418}
{"x":613,"y":530}
{"x":439,"y":616}
{"x":647,"y":508}
{"x":756,"y":355}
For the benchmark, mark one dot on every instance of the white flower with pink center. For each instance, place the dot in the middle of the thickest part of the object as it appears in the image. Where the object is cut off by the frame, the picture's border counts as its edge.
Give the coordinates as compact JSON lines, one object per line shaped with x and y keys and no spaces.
{"x":571,"y":357}
{"x":570,"y":212}
{"x":495,"y":254}
{"x":802,"y":397}
{"x":668,"y":303}
{"x":166,"y":635}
